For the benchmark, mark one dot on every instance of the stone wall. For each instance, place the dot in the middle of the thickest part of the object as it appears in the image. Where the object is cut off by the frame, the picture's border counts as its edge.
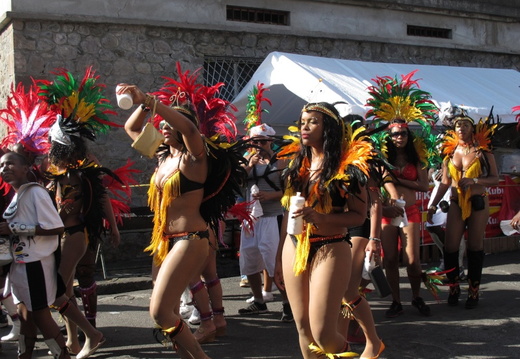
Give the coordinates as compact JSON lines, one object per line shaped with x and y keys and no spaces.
{"x":7,"y":68}
{"x":142,"y":54}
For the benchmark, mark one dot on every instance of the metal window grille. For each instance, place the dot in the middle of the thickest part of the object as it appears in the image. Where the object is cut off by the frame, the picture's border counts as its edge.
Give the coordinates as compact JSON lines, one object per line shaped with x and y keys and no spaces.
{"x":259,"y":16}
{"x":439,"y":33}
{"x":234,"y":72}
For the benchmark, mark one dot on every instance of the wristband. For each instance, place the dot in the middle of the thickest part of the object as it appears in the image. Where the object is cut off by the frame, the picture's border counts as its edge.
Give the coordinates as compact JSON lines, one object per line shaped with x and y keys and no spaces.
{"x":21,"y":228}
{"x":374,"y":239}
{"x":144,"y":108}
{"x":432,"y":207}
{"x":148,"y":100}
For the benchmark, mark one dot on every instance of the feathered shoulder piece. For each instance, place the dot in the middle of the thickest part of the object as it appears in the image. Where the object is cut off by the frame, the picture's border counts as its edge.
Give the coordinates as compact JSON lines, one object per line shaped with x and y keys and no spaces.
{"x":28,"y":120}
{"x":119,"y":188}
{"x":484,"y":132}
{"x":354,"y":167}
{"x":392,"y":99}
{"x":83,"y":101}
{"x":226,"y":178}
{"x":93,"y":191}
{"x":214,"y":115}
{"x":426,"y":145}
{"x":254,"y":108}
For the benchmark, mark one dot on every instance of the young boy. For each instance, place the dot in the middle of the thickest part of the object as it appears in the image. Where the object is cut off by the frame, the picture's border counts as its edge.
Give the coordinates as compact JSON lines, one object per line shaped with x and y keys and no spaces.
{"x":34,"y":226}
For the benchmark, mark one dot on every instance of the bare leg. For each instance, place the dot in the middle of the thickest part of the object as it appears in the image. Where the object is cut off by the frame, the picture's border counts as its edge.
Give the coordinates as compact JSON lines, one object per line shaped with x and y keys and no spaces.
{"x":361,"y":312}
{"x":330,"y":274}
{"x":297,"y":288}
{"x":51,"y":332}
{"x":389,"y":241}
{"x":184,"y":260}
{"x":410,"y":238}
{"x":214,"y":288}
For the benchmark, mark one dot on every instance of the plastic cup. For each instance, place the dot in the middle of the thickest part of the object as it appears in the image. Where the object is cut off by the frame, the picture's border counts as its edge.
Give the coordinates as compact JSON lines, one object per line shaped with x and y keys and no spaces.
{"x":124,"y":100}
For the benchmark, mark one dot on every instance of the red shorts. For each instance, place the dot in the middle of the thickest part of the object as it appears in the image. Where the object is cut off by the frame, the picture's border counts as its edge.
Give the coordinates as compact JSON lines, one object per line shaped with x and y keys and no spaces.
{"x":412,"y":214}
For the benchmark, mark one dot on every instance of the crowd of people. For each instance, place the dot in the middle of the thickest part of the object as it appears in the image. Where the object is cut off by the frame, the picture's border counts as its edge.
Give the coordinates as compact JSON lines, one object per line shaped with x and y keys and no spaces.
{"x":357,"y":182}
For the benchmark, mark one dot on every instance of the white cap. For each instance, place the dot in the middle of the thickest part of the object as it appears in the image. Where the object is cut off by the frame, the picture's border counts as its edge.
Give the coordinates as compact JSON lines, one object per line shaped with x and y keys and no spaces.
{"x":261,"y":130}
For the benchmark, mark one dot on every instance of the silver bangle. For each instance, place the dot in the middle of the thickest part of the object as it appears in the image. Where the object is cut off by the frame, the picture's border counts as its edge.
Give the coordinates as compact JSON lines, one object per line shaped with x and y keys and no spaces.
{"x":374,"y":239}
{"x":22,"y":228}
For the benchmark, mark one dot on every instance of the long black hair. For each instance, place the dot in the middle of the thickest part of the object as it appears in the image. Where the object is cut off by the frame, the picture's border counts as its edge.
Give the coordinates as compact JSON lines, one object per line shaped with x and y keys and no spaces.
{"x":333,"y":136}
{"x":411,"y":154}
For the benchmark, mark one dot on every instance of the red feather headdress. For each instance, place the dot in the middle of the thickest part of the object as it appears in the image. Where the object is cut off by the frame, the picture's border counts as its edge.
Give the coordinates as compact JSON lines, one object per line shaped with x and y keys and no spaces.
{"x":213,"y":113}
{"x":28,"y":120}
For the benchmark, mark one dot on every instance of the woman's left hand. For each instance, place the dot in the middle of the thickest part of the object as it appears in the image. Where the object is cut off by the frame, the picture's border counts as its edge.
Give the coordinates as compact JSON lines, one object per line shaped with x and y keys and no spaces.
{"x":311,"y":216}
{"x":138,"y":96}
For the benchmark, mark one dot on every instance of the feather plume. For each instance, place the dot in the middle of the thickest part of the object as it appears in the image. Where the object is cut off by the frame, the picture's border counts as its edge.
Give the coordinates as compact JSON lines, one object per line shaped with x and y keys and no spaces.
{"x":28,"y":120}
{"x":214,"y":115}
{"x":392,"y":99}
{"x":83,"y":101}
{"x":254,"y":108}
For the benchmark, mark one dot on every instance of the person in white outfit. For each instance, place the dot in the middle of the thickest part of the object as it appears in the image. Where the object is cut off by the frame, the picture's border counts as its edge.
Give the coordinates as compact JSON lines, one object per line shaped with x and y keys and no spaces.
{"x":258,"y":245}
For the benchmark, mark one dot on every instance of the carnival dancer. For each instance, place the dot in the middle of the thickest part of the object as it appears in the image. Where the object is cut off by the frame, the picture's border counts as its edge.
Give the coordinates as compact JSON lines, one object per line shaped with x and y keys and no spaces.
{"x":77,"y":185}
{"x":468,"y":168}
{"x":188,"y":195}
{"x":397,"y":103}
{"x":357,"y":322}
{"x":328,"y":166}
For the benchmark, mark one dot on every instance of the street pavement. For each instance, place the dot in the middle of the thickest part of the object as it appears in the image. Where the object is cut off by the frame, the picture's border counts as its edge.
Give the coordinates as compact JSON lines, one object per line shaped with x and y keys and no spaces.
{"x":490,"y":331}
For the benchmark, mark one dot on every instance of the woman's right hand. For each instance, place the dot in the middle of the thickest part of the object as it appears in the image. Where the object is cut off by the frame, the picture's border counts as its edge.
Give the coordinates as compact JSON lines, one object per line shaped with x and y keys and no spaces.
{"x":278,"y":274}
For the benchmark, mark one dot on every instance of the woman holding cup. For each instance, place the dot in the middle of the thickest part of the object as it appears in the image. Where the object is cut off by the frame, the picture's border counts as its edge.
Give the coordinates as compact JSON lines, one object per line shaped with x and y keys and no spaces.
{"x":398,"y":102}
{"x":178,"y":215}
{"x":314,"y":266}
{"x":410,"y":178}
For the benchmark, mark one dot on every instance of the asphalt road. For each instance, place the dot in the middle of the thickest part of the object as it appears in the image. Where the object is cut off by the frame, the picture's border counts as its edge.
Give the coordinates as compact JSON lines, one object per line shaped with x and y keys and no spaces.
{"x":490,"y":331}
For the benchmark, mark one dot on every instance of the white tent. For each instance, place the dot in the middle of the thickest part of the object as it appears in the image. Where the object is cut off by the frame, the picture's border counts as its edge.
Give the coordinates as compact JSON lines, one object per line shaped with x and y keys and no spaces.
{"x":294,"y":80}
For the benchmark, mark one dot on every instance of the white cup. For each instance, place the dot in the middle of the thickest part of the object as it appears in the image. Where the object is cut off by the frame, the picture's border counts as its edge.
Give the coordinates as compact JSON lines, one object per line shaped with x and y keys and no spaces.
{"x":507,"y":228}
{"x":124,"y":100}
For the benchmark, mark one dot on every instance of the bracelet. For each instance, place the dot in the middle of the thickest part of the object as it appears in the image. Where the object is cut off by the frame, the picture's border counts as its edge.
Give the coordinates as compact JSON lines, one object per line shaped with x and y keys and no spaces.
{"x":475,"y":180}
{"x":144,"y":108}
{"x":374,"y":239}
{"x":21,"y":228}
{"x":433,"y":207}
{"x":148,"y":100}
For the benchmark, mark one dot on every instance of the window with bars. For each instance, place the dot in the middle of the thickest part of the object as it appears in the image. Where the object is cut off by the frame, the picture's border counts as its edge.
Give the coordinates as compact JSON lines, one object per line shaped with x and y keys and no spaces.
{"x":234,"y":72}
{"x":259,"y":16}
{"x":412,"y":30}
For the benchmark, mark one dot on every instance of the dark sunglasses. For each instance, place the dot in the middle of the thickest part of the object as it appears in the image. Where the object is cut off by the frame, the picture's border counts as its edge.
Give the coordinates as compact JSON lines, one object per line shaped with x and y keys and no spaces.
{"x":400,"y":133}
{"x":258,"y":142}
{"x":163,"y":124}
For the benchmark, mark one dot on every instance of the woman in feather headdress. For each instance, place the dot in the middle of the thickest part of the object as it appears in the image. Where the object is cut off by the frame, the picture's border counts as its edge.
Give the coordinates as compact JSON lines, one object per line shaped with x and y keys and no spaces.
{"x":77,"y":184}
{"x":468,"y":168}
{"x":399,"y":102}
{"x":193,"y":186}
{"x":329,"y":168}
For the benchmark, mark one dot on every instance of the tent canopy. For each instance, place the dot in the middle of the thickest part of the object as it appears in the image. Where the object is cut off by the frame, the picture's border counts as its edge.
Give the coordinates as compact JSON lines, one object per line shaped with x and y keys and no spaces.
{"x":294,"y":80}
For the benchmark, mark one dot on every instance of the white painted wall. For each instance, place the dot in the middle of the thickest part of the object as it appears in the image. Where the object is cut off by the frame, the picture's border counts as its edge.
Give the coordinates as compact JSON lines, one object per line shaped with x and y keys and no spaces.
{"x":308,"y":18}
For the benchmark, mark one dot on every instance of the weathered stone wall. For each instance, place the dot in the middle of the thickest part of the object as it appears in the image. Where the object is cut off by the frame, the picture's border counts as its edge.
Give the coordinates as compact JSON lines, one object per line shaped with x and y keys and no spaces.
{"x":7,"y":67}
{"x":142,"y":54}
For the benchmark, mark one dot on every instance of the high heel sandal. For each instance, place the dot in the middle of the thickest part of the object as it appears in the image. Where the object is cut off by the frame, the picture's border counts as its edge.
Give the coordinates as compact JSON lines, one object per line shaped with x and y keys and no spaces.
{"x":381,"y":349}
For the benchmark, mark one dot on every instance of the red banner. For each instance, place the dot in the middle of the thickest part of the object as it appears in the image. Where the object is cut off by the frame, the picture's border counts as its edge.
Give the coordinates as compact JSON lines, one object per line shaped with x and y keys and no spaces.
{"x":504,"y":202}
